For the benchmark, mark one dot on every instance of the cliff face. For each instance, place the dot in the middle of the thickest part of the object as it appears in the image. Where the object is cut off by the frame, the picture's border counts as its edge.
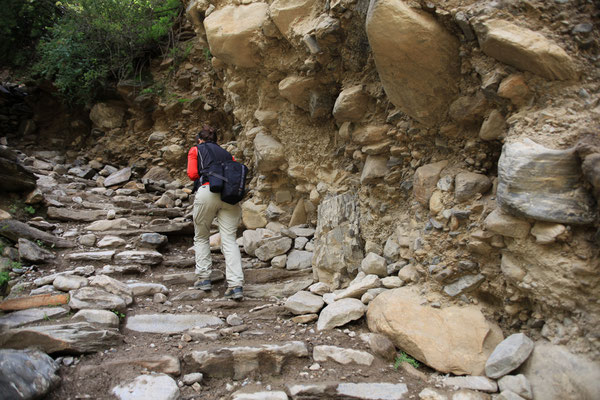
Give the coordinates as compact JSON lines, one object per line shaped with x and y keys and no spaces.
{"x":460,"y":127}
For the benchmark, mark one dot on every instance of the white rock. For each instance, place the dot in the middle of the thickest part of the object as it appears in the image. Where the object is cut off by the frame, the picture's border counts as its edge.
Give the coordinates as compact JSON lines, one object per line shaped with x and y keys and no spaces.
{"x":159,"y":386}
{"x":342,"y":355}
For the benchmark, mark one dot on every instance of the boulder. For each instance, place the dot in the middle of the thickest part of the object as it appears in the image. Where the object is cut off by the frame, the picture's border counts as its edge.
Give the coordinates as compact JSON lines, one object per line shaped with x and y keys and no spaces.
{"x":416,"y":58}
{"x":297,"y":89}
{"x":158,"y":174}
{"x":544,"y":184}
{"x":555,"y":373}
{"x":113,"y":286}
{"x":32,"y":252}
{"x":339,"y":313}
{"x":27,"y":374}
{"x":506,"y":225}
{"x":517,"y":384}
{"x":13,"y":175}
{"x":299,"y":259}
{"x":425,"y":181}
{"x":94,"y":298}
{"x":508,"y":355}
{"x":351,"y":104}
{"x":454,"y":339}
{"x":524,"y":49}
{"x":67,"y":283}
{"x":341,"y":355}
{"x":107,"y":115}
{"x":273,"y":247}
{"x":375,"y":167}
{"x":304,"y":303}
{"x":374,"y":264}
{"x":159,"y":386}
{"x":338,"y":251}
{"x":102,"y":318}
{"x":116,"y":178}
{"x":359,"y":286}
{"x":293,"y":18}
{"x":468,"y":184}
{"x":269,"y":152}
{"x":494,"y":127}
{"x":234,"y":33}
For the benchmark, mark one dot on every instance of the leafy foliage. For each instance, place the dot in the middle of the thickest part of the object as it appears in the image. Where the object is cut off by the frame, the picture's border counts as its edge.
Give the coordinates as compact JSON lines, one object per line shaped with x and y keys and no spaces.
{"x":22,"y":24}
{"x":4,"y":277}
{"x":99,"y":41}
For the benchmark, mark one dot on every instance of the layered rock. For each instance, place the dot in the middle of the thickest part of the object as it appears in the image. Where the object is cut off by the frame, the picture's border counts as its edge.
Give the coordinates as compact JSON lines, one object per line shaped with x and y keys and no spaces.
{"x":416,"y":58}
{"x":338,"y":251}
{"x":543,"y":184}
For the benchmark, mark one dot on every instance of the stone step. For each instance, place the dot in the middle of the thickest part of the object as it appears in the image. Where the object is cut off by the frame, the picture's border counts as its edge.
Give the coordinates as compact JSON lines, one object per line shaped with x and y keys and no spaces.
{"x":348,"y":390}
{"x":241,"y":362}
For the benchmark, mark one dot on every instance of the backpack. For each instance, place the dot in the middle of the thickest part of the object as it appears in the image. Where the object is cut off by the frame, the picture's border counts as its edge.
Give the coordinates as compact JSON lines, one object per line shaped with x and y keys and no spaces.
{"x":227,"y":177}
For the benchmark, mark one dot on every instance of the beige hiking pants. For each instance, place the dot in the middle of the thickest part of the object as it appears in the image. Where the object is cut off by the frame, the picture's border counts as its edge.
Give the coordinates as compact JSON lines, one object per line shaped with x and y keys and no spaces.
{"x":207,"y":205}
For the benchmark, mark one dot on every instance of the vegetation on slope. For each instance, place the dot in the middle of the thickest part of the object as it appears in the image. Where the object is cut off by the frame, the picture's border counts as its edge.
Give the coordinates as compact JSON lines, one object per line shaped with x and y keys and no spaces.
{"x":85,"y":45}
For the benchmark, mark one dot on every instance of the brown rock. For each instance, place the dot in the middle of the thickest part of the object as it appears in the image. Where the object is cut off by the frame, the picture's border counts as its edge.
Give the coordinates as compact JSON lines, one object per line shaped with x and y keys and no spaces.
{"x":515,"y":89}
{"x":351,"y":104}
{"x":453,"y":339}
{"x":416,"y":58}
{"x":524,"y":49}
{"x":425,"y":181}
{"x":296,"y":89}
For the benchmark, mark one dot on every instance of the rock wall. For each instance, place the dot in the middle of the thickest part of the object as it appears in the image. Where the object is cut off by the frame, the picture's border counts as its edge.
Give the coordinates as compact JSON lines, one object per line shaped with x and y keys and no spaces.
{"x":408,"y":107}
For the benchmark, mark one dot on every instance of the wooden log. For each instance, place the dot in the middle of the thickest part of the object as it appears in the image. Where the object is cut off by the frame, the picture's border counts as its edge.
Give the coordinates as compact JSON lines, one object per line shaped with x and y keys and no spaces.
{"x":13,"y":229}
{"x":23,"y":303}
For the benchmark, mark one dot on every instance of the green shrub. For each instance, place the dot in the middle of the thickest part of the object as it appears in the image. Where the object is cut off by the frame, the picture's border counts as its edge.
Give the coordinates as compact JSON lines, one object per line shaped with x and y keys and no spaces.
{"x":98,"y":42}
{"x":403,"y":357}
{"x":22,"y":24}
{"x":4,"y":278}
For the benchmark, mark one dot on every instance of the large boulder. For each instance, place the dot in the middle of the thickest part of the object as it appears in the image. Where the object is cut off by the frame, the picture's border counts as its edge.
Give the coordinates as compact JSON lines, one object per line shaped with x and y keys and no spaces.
{"x":234,"y":33}
{"x":543,"y":184}
{"x":524,"y":49}
{"x":107,"y":115}
{"x":26,"y":374}
{"x":416,"y":58}
{"x":454,"y":339}
{"x":338,"y":251}
{"x":293,"y":18}
{"x":14,"y":177}
{"x":555,"y":373}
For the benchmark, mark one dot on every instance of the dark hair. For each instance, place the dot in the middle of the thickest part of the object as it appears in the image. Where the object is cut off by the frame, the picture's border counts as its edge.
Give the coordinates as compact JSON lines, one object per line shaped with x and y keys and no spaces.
{"x":208,"y":134}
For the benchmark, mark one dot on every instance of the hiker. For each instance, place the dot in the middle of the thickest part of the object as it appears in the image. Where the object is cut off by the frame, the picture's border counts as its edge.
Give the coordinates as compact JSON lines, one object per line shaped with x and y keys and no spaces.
{"x":207,"y":205}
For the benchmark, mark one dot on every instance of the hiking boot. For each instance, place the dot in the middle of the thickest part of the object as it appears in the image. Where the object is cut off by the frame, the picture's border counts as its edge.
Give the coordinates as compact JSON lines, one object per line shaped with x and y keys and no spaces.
{"x":203,"y":284}
{"x":235,"y":293}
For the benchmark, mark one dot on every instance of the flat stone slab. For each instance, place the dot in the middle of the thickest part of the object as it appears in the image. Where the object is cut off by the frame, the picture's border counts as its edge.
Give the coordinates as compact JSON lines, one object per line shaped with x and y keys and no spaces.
{"x":481,"y":383}
{"x":32,"y":315}
{"x":23,"y":303}
{"x":67,"y":214}
{"x":76,"y":338}
{"x":168,"y":323}
{"x":139,"y":256}
{"x":277,"y":289}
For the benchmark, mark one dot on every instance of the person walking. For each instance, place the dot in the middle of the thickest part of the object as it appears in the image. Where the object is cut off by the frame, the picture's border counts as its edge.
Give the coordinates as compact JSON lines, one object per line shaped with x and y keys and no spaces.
{"x":207,"y":205}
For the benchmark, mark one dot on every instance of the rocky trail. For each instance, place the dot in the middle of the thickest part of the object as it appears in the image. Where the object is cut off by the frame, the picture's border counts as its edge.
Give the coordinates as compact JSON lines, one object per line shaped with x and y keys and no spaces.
{"x":104,"y":286}
{"x":122,"y":264}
